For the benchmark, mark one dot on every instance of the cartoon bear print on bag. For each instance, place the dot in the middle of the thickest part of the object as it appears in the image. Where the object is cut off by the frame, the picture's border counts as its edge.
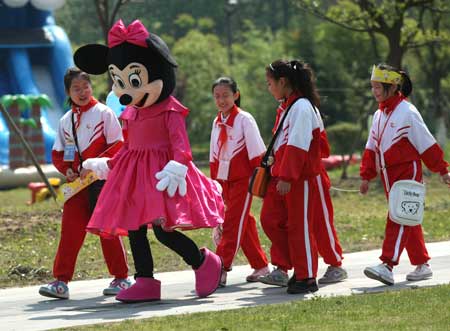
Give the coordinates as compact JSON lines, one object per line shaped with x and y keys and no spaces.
{"x":410,"y":207}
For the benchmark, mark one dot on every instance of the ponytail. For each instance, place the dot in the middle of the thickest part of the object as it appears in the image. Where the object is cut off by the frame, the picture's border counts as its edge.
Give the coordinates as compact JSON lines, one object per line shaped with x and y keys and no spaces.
{"x":407,"y":86}
{"x":299,"y":75}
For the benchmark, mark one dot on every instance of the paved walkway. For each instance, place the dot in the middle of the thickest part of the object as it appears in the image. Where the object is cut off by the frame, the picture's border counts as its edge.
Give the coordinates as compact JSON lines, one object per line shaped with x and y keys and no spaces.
{"x":25,"y":309}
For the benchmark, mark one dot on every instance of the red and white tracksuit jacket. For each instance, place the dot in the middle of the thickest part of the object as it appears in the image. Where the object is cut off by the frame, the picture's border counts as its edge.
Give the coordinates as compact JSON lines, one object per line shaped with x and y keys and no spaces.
{"x":97,"y":130}
{"x":404,"y":140}
{"x":326,"y":236}
{"x":288,"y":220}
{"x":232,"y":164}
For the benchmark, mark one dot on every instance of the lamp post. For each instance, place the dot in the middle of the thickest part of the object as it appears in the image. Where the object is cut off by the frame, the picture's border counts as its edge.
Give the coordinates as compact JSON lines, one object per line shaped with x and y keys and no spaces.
{"x":230,"y":8}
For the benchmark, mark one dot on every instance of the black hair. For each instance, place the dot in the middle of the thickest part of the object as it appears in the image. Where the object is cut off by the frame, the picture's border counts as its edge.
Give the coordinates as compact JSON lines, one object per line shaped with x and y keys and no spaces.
{"x":299,"y":75}
{"x":69,"y":76}
{"x":405,"y":86}
{"x":231,"y":83}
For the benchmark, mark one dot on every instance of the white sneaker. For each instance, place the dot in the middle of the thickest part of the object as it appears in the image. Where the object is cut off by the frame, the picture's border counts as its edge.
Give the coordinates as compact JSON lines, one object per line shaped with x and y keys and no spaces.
{"x":56,"y":289}
{"x":254,"y":276}
{"x":422,"y":271}
{"x":277,"y":277}
{"x":117,"y":285}
{"x":333,"y":275}
{"x":381,"y":273}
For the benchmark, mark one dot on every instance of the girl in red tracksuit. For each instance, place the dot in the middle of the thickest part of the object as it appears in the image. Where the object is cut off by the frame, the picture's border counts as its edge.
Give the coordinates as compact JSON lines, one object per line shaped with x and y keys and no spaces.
{"x":287,"y":214}
{"x":236,"y":150}
{"x":400,"y":137}
{"x":94,"y":128}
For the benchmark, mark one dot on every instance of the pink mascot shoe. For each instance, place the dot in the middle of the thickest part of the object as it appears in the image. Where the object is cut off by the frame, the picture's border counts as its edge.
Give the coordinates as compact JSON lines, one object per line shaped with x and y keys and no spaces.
{"x":207,"y":277}
{"x":145,"y":289}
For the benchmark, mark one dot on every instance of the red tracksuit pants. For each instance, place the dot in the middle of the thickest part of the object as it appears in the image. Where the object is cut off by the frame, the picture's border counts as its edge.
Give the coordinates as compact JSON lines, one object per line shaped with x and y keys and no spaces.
{"x":288,"y":221}
{"x":75,"y":218}
{"x":324,"y":230}
{"x":239,"y":222}
{"x":398,"y":237}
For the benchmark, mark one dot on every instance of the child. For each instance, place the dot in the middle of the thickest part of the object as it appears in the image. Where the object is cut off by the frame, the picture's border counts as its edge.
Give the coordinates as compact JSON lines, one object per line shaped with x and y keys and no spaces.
{"x":152,"y":181}
{"x":400,"y":137}
{"x":85,"y":131}
{"x":287,"y":214}
{"x":236,"y":149}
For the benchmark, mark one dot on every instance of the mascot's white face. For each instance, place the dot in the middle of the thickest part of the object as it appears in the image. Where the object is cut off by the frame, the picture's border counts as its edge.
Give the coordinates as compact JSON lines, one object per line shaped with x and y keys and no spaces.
{"x":131,"y":87}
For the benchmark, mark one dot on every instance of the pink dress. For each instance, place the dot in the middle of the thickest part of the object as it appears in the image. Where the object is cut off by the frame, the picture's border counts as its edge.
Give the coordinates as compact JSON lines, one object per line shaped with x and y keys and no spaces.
{"x":129,"y":199}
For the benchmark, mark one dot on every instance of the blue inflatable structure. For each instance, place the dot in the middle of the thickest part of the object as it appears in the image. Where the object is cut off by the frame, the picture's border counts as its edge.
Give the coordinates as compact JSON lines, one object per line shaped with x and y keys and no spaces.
{"x":34,"y":55}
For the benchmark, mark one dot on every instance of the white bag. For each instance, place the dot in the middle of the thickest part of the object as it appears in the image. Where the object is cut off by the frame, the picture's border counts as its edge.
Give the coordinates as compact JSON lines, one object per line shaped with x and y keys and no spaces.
{"x":407,"y":202}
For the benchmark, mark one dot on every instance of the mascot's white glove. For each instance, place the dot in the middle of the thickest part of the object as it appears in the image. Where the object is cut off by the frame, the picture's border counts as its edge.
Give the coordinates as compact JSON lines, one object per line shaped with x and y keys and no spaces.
{"x":99,"y":165}
{"x":171,"y":178}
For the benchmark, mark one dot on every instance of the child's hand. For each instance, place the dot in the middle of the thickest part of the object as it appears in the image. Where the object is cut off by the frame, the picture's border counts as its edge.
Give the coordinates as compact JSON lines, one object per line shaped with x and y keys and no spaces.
{"x":364,"y":186}
{"x":71,"y":175}
{"x":283,"y":187}
{"x":446,"y":178}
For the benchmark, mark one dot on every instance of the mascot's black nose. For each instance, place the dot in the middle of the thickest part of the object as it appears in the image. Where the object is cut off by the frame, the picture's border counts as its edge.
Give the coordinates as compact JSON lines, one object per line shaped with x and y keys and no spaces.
{"x":125,"y":99}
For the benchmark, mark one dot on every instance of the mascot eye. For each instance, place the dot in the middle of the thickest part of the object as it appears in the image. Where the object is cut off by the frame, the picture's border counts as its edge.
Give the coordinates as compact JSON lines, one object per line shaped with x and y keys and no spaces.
{"x":119,"y":81}
{"x":135,"y":80}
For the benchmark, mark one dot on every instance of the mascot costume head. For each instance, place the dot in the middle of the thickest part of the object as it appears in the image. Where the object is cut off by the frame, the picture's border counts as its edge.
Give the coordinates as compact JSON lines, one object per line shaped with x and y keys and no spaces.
{"x":139,"y":63}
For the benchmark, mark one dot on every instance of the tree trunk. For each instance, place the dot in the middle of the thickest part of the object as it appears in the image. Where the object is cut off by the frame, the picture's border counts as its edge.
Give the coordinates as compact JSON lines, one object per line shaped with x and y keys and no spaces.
{"x":345,"y":164}
{"x":396,"y":51}
{"x":441,"y":132}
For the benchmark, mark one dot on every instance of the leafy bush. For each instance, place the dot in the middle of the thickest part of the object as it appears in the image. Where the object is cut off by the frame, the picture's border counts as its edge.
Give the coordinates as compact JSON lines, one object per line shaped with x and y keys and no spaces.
{"x":344,"y":137}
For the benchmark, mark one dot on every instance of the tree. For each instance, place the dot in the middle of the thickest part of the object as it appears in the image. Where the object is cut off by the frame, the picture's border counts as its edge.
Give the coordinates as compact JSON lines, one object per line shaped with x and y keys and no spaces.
{"x":434,"y":62}
{"x":253,"y":53}
{"x":396,"y":21}
{"x":106,"y":12}
{"x":344,"y":137}
{"x":201,"y":59}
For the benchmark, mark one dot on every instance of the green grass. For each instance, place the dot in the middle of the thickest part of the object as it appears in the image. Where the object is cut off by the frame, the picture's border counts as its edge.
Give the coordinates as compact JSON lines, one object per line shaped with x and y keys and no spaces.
{"x":29,"y":234}
{"x":414,"y":309}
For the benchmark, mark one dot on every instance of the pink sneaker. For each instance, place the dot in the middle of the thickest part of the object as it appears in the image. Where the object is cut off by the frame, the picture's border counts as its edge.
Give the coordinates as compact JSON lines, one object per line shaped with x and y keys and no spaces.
{"x":145,"y":289}
{"x":207,"y":277}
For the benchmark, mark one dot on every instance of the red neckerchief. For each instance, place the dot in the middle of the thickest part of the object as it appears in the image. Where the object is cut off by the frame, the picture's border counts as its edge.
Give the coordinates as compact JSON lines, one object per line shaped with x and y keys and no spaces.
{"x":388,"y":106}
{"x":78,"y":110}
{"x":391,"y":103}
{"x":284,"y":105}
{"x":223,"y":125}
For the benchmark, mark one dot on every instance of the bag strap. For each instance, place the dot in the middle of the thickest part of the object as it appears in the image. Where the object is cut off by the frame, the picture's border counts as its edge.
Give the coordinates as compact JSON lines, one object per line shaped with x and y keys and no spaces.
{"x":74,"y":133}
{"x":266,"y":156}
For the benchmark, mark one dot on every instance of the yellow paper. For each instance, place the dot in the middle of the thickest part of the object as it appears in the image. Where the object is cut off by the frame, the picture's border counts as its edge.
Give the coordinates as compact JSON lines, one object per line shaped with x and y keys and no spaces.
{"x":385,"y":76}
{"x":68,"y":190}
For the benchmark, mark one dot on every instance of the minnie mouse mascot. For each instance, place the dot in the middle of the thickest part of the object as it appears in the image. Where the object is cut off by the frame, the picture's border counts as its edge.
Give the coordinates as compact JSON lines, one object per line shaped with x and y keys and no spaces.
{"x":152,"y":181}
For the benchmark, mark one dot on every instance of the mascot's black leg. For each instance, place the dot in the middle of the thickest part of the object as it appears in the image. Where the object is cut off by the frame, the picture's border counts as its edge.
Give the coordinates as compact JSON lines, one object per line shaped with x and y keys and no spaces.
{"x":142,"y":254}
{"x":181,"y":244}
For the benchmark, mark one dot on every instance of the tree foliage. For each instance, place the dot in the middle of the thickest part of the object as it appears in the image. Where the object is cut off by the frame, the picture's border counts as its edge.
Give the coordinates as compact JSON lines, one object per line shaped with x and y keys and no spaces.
{"x":341,"y":39}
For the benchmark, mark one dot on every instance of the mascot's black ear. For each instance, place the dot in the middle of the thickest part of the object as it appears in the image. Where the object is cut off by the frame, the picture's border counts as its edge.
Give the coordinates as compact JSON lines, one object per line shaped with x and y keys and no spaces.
{"x":158,"y":45}
{"x":92,"y":58}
